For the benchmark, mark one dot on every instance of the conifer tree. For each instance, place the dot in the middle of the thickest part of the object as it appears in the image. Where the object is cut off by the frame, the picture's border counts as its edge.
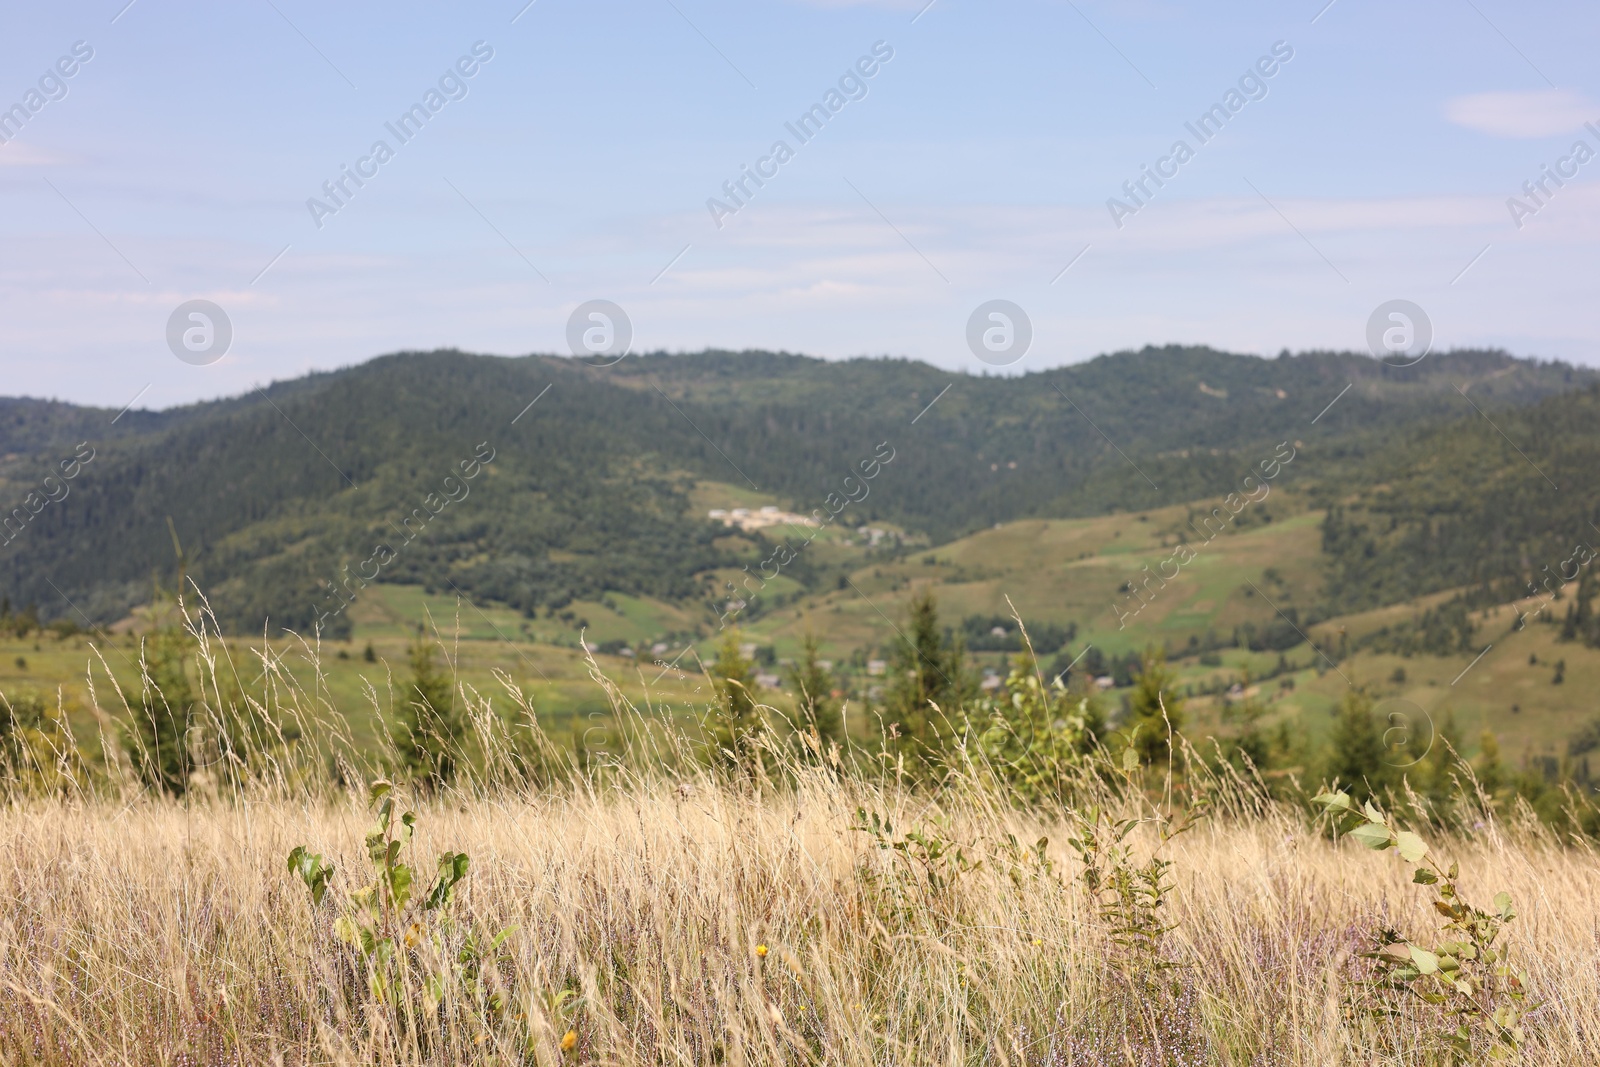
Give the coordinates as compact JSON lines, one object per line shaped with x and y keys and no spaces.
{"x":737,"y":720}
{"x":929,"y":680}
{"x":1490,"y":771}
{"x":1155,"y":710}
{"x":813,"y":685}
{"x":433,"y":726}
{"x":158,"y":740}
{"x":1356,"y":752}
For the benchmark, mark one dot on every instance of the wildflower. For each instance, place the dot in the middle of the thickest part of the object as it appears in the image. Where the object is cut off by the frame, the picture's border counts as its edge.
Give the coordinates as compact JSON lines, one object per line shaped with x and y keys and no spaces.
{"x":569,"y":1041}
{"x":761,"y":950}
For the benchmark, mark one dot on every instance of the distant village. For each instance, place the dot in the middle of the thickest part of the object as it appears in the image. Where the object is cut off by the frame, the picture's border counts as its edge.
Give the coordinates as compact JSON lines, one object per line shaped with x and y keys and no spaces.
{"x":772,"y":515}
{"x":760,"y":518}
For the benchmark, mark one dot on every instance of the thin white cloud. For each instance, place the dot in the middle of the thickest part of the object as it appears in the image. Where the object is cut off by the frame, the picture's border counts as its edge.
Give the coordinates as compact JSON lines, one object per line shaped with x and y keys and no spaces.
{"x":1533,"y":113}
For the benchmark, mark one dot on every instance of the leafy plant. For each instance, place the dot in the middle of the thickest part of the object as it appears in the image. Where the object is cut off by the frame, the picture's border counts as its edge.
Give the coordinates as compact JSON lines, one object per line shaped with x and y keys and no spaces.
{"x":917,"y":887}
{"x":1467,"y":971}
{"x":938,"y":861}
{"x":1025,"y":862}
{"x":37,"y":753}
{"x":1038,"y":737}
{"x":312,"y":871}
{"x":1130,"y":898}
{"x":387,"y":922}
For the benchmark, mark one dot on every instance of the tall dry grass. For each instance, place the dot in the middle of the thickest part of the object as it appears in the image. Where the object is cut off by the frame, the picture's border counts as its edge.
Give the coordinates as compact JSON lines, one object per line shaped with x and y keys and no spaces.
{"x":150,"y":933}
{"x":665,"y":913}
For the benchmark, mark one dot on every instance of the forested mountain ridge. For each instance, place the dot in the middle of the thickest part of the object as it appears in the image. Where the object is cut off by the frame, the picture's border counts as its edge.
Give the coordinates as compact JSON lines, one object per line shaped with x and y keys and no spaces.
{"x":1497,"y":502}
{"x":279,"y":492}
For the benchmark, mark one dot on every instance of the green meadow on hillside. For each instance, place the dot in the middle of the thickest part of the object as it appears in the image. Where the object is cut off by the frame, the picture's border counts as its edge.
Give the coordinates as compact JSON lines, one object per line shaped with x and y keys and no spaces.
{"x":1061,"y":572}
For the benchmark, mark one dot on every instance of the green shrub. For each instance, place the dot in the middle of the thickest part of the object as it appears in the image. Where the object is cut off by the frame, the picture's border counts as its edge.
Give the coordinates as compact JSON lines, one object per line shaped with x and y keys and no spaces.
{"x":1466,"y":972}
{"x":1036,"y":738}
{"x":405,"y":940}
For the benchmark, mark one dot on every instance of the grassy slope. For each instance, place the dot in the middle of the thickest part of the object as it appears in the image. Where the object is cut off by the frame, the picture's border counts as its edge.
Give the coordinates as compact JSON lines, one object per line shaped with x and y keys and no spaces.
{"x":1069,"y":570}
{"x":1057,"y":571}
{"x":546,"y":661}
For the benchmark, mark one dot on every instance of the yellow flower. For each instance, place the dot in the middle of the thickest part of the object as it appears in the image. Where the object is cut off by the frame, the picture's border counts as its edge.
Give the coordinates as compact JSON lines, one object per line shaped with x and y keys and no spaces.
{"x":761,"y":950}
{"x":569,"y":1041}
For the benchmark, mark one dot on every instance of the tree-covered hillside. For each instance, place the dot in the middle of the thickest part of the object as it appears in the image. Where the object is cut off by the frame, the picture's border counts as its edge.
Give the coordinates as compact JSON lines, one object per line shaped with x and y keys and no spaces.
{"x":1498,"y":501}
{"x":281,"y":495}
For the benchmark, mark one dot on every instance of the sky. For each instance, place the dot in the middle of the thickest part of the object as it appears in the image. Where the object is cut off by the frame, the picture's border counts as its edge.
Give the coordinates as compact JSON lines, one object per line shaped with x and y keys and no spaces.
{"x":585,"y":156}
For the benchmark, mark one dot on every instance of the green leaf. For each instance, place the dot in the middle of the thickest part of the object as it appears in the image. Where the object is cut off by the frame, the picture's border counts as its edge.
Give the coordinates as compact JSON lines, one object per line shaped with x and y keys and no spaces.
{"x":1502,"y":903}
{"x":1424,"y":876}
{"x":452,"y":868}
{"x":1371,"y":811}
{"x":400,"y":880}
{"x":378,"y":790}
{"x":1333,"y":801}
{"x":1411,"y":847}
{"x":1130,"y":759}
{"x":1375,"y":836}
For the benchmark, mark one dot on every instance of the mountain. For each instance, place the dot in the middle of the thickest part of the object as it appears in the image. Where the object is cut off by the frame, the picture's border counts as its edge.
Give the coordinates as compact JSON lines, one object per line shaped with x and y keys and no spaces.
{"x":1497,"y":500}
{"x":432,"y":469}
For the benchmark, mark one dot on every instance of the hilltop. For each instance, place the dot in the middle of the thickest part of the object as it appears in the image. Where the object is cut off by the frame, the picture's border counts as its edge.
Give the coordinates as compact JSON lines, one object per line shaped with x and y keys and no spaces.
{"x":599,"y":486}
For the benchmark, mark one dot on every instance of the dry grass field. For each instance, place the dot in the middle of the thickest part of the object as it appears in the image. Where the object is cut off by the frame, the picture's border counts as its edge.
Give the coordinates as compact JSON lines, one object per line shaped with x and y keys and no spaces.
{"x":687,"y":920}
{"x":655,"y":901}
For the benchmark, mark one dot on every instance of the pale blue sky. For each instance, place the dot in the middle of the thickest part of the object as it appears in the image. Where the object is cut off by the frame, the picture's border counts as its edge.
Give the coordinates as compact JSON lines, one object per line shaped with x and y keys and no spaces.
{"x":978,"y":165}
